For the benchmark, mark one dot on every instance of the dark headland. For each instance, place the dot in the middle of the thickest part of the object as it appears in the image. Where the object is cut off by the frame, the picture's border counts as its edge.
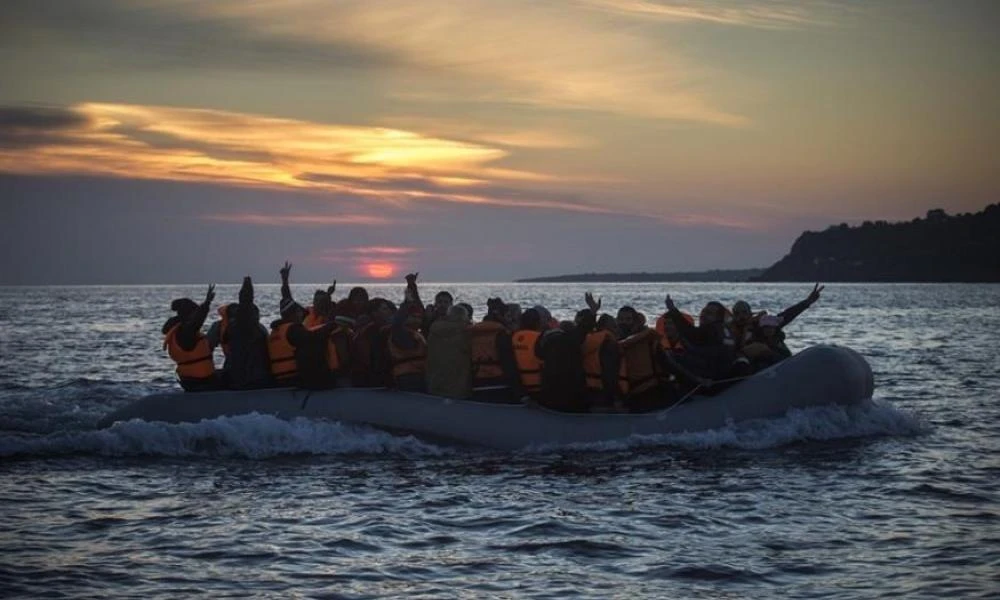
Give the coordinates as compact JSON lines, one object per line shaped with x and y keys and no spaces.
{"x":937,"y":248}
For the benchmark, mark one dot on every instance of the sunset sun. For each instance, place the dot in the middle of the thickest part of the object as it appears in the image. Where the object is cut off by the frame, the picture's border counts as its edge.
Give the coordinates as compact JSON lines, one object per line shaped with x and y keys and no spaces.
{"x":380,"y":270}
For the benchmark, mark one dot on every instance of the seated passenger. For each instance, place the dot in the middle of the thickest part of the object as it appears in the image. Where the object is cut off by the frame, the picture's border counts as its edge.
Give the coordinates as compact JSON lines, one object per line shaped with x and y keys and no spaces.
{"x":184,"y":342}
{"x":601,"y":362}
{"x":298,"y":355}
{"x":449,"y":356}
{"x":408,"y":348}
{"x":709,"y":349}
{"x":563,"y":383}
{"x":369,"y":351}
{"x":443,"y":300}
{"x":244,"y":342}
{"x":670,"y":336}
{"x":765,"y":344}
{"x":493,"y":361}
{"x":354,"y":306}
{"x":529,"y":366}
{"x":608,"y":323}
{"x":512,"y":316}
{"x":628,"y":322}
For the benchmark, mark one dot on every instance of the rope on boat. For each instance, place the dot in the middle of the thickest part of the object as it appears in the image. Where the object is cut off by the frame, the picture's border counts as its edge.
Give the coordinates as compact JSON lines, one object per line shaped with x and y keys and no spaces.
{"x":695,"y":389}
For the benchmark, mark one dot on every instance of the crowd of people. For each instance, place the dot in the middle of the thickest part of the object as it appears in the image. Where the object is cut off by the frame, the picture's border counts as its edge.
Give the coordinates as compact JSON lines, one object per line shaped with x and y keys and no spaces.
{"x":597,"y":362}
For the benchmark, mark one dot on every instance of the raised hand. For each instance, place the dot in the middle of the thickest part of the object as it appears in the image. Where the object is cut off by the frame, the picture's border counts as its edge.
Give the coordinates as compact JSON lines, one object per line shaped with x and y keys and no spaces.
{"x":814,"y":294}
{"x":411,"y":278}
{"x":591,"y":304}
{"x":210,"y":294}
{"x":332,"y":288}
{"x":670,"y":303}
{"x":285,"y":270}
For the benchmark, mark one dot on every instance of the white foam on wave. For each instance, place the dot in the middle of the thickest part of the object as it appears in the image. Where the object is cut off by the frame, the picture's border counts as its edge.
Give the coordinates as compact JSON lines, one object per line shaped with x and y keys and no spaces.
{"x":253,"y":436}
{"x":819,"y":423}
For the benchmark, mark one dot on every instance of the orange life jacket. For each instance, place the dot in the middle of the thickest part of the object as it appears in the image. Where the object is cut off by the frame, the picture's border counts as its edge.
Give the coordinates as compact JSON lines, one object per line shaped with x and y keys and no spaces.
{"x":529,"y":366}
{"x":191,"y":364}
{"x":408,"y":362}
{"x":676,"y":346}
{"x":282,"y":353}
{"x":224,"y":328}
{"x":313,"y":319}
{"x":483,"y":345}
{"x":638,"y":371}
{"x":333,"y":361}
{"x":592,"y":358}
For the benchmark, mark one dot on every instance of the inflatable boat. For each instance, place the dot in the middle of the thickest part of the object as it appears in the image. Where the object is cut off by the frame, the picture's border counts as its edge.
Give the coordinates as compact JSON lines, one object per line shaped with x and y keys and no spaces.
{"x":820,"y":375}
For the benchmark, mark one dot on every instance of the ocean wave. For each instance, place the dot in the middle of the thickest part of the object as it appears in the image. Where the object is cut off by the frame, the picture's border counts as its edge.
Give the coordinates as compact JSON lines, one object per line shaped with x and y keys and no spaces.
{"x":252,"y":436}
{"x":819,"y":423}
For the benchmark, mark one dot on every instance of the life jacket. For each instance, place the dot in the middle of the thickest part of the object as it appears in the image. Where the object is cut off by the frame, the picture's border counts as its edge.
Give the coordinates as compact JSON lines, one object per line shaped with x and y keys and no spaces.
{"x":224,"y":328}
{"x":638,"y":371}
{"x":282,"y":353}
{"x":661,"y":328}
{"x":592,"y":358}
{"x":191,"y":364}
{"x":333,"y":361}
{"x":408,"y":362}
{"x":313,"y":319}
{"x":483,"y":343}
{"x":529,"y":366}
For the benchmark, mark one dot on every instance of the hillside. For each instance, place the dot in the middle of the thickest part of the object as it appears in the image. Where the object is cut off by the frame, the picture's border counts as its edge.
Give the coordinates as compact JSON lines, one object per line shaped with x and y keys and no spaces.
{"x":937,"y":248}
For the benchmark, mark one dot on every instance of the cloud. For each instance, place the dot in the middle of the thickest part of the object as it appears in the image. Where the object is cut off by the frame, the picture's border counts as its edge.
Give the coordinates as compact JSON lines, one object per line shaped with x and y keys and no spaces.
{"x":286,"y":220}
{"x":547,"y":56}
{"x":346,"y":162}
{"x":763,"y":15}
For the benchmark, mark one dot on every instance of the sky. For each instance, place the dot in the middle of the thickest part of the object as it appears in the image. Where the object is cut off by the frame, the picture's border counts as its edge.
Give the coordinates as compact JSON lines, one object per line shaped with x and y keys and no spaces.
{"x":154,"y":141}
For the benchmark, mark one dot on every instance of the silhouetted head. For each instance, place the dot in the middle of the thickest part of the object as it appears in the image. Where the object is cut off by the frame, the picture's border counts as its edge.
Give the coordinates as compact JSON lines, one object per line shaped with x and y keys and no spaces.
{"x":530,"y":319}
{"x":496,"y":308}
{"x":628,"y":320}
{"x":467,"y":307}
{"x":741,"y":312}
{"x":714,"y":313}
{"x":322,"y":302}
{"x":358,"y":297}
{"x":544,"y":315}
{"x":608,"y":323}
{"x":184,"y":307}
{"x":443,"y":300}
{"x":381,"y":310}
{"x":512,"y":315}
{"x":585,"y":320}
{"x":457,"y":314}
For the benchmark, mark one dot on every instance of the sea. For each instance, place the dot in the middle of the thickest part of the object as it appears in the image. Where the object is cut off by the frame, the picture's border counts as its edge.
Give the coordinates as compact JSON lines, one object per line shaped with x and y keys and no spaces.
{"x":897,"y":498}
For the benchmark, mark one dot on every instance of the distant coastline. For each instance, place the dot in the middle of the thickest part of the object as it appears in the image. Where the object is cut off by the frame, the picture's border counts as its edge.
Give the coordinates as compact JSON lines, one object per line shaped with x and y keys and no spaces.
{"x":724,"y":275}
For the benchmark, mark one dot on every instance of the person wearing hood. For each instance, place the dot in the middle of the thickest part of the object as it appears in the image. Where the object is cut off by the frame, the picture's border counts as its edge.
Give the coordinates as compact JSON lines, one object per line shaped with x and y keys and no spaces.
{"x":443,"y":301}
{"x":493,"y":362}
{"x":244,"y":342}
{"x":449,"y":356}
{"x":188,"y":347}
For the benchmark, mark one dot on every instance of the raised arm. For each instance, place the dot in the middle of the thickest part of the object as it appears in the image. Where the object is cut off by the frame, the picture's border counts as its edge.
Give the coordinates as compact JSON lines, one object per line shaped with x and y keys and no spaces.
{"x":686,"y":330}
{"x":412,"y":294}
{"x":285,"y":271}
{"x":789,"y":314}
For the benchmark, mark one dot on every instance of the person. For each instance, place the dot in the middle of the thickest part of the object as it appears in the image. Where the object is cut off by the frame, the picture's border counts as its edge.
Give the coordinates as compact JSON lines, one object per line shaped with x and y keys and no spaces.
{"x":354,"y":305}
{"x":766,"y":344}
{"x":628,"y":322}
{"x":670,"y":336}
{"x":188,"y":347}
{"x":559,"y":350}
{"x":512,"y":316}
{"x":449,"y":356}
{"x":321,"y":310}
{"x":244,"y":342}
{"x":742,"y":323}
{"x":709,"y":348}
{"x":370,"y":364}
{"x":529,"y":366}
{"x":493,"y":362}
{"x":468,"y":310}
{"x":443,"y":300}
{"x":601,"y":358}
{"x":298,"y":355}
{"x":407,"y":346}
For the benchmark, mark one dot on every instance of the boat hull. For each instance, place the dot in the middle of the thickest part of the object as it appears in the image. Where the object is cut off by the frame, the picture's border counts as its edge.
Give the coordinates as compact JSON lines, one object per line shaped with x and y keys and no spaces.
{"x":821,"y":375}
